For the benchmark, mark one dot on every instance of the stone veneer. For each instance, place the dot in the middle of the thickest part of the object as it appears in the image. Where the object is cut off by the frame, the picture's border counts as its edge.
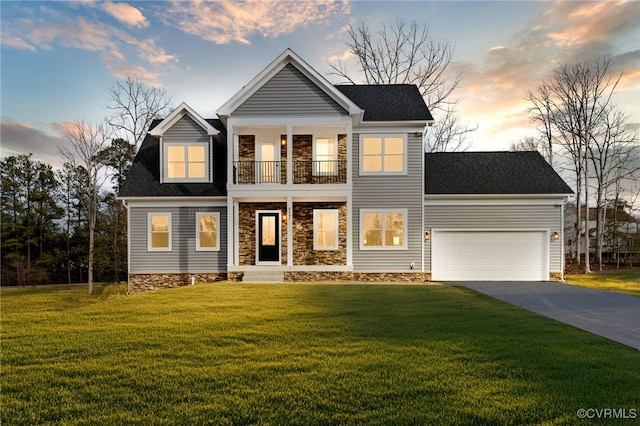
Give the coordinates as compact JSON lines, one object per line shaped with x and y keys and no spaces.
{"x":247,"y":231}
{"x":303,"y":252}
{"x":147,"y":282}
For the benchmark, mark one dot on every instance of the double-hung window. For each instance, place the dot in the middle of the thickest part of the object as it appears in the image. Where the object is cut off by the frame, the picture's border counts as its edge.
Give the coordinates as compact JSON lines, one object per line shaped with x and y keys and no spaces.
{"x":186,"y":162}
{"x":325,"y":154}
{"x":383,"y":229}
{"x":383,"y":154}
{"x":325,"y":229}
{"x":207,"y":231}
{"x":159,"y":231}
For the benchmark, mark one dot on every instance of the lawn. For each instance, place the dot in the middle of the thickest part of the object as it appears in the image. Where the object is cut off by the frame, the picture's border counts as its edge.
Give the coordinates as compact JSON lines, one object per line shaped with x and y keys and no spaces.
{"x":300,"y":354}
{"x":623,"y":281}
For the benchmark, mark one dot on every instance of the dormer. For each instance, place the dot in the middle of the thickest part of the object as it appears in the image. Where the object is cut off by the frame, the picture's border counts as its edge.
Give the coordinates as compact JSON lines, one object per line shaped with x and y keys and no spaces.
{"x":186,"y":147}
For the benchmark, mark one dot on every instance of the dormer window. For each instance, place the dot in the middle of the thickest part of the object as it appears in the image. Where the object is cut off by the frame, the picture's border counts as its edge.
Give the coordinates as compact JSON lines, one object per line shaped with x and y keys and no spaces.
{"x":184,"y":162}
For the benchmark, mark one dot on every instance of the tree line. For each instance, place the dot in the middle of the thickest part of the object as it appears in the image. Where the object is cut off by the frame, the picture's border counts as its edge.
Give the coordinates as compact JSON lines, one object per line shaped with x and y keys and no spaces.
{"x":64,"y":226}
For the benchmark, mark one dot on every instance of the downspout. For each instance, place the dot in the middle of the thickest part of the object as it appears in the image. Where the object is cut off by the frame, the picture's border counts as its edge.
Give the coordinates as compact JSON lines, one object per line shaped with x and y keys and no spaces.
{"x":126,"y":206}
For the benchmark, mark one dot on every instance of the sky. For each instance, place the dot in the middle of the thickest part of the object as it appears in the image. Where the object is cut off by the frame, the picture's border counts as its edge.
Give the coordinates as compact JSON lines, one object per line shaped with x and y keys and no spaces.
{"x":59,"y":59}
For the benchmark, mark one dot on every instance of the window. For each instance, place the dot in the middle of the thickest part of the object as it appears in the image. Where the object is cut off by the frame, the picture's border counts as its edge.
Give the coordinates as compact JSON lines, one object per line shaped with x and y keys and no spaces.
{"x":382,"y":154}
{"x":325,"y":229}
{"x":383,"y":229}
{"x":325,"y":154}
{"x":186,"y":162}
{"x":159,"y":231}
{"x":207,"y":235}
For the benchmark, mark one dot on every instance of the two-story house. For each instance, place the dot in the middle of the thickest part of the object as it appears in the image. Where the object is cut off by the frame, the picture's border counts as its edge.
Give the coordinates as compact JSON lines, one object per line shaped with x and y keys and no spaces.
{"x":299,"y":179}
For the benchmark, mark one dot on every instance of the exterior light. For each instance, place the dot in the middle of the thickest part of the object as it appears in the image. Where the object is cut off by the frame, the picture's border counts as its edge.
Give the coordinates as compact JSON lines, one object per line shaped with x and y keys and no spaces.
{"x":427,"y":236}
{"x":283,"y":141}
{"x":555,"y":236}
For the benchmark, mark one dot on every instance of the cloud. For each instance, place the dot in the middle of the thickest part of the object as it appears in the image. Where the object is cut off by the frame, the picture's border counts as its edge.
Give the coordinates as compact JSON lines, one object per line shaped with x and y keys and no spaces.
{"x":17,"y":43}
{"x":20,"y":138}
{"x":228,"y":21}
{"x":126,"y":14}
{"x":116,"y":45}
{"x":565,"y":32}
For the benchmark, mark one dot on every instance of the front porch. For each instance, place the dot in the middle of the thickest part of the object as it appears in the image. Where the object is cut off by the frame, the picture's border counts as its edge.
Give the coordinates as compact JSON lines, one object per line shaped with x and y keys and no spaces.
{"x":292,"y":235}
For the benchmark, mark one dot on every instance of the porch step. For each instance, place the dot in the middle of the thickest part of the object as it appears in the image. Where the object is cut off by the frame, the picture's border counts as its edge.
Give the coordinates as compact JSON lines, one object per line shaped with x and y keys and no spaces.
{"x":263,"y":277}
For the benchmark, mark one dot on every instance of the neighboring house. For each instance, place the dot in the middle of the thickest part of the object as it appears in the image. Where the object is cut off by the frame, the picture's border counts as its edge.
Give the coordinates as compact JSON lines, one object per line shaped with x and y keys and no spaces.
{"x":299,"y":179}
{"x":621,"y":240}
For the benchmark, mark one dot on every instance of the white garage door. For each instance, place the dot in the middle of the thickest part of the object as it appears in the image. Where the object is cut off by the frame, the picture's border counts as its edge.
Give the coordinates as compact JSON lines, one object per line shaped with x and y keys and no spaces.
{"x":489,"y":256}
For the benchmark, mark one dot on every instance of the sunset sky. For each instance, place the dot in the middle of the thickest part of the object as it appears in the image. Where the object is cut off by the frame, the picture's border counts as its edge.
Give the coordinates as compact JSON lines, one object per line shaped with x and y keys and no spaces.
{"x":58,"y":59}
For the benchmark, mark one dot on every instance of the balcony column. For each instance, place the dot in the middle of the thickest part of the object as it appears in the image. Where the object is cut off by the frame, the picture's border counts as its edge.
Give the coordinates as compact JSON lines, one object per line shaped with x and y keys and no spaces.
{"x":289,"y":231}
{"x":289,"y":154}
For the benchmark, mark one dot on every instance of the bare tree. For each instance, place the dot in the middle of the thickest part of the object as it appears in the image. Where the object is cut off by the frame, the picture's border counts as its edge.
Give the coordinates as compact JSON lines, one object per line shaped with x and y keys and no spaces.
{"x":133,"y":107}
{"x":405,"y":53}
{"x":541,"y":110}
{"x":532,"y":144}
{"x":573,"y":105}
{"x":86,"y":144}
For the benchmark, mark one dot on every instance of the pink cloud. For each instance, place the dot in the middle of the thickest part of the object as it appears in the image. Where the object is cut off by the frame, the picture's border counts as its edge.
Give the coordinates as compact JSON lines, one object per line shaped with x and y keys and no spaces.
{"x":493,"y":91}
{"x":126,"y":14}
{"x":227,"y":21}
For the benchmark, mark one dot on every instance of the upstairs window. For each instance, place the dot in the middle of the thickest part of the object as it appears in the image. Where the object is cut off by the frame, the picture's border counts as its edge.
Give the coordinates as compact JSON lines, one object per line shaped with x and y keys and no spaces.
{"x":186,"y":162}
{"x":325,"y":154}
{"x":383,"y":154}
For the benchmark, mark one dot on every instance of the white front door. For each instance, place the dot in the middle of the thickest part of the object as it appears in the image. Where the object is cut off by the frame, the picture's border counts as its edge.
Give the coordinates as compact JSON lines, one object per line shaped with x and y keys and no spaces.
{"x":268,"y":164}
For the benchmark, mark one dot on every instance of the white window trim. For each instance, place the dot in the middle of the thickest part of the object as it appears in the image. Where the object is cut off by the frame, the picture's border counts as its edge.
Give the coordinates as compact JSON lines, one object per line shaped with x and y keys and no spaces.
{"x":383,"y":137}
{"x":405,"y":227}
{"x":149,"y":238}
{"x":217,"y":247}
{"x":318,"y":247}
{"x":314,"y":154}
{"x":165,"y":164}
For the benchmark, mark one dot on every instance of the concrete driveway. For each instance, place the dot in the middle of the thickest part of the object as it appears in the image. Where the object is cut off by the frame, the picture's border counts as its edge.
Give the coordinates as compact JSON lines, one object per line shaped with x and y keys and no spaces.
{"x":611,"y":315}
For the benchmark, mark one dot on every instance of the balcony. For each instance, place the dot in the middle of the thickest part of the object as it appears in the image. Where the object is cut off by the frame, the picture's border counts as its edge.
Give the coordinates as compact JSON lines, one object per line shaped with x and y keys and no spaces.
{"x":275,"y":172}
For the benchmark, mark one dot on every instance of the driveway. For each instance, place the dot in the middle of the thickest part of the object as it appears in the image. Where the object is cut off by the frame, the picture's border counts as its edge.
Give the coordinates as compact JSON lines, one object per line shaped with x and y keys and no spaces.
{"x":611,"y":315}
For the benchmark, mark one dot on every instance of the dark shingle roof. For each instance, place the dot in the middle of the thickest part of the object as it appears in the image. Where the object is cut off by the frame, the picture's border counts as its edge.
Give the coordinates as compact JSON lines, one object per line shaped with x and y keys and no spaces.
{"x":491,"y":173}
{"x":388,"y":102}
{"x":143,"y":179}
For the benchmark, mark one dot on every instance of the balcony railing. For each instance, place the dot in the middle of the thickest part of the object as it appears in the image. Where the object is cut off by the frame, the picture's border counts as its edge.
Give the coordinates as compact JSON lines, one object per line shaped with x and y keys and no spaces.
{"x":304,"y":172}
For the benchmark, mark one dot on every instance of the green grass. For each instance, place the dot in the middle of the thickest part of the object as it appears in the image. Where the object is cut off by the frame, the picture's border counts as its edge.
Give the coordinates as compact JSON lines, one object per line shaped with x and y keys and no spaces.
{"x":626,"y":281}
{"x":299,"y":354}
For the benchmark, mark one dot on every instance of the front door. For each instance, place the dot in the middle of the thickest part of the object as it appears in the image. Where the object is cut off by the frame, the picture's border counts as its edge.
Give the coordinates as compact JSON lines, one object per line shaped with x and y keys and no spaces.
{"x":268,"y":237}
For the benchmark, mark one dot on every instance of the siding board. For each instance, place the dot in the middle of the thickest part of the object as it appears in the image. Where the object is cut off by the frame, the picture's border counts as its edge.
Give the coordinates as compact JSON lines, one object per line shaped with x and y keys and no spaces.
{"x":390,"y":191}
{"x":289,"y":92}
{"x":183,"y":257}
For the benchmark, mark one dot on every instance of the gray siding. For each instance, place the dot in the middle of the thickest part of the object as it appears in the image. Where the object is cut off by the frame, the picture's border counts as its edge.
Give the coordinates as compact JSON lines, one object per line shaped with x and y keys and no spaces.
{"x":183,"y":257}
{"x":289,"y":92}
{"x":186,"y":130}
{"x":388,"y":192}
{"x":497,"y":216}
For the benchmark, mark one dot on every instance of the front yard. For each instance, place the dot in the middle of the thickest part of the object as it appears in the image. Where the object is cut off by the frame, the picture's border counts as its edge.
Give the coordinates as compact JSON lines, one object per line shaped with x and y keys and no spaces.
{"x":622,"y":281}
{"x":299,"y":354}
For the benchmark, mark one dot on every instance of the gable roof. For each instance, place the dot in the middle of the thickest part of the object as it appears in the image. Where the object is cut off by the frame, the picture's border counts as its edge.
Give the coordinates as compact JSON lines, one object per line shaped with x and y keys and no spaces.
{"x":388,"y":102}
{"x":175,"y":115}
{"x":285,"y":58}
{"x":491,"y":173}
{"x":143,"y":179}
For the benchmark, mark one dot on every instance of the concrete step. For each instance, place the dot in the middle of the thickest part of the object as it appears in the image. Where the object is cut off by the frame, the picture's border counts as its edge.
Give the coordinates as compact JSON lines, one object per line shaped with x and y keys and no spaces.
{"x":263,"y":277}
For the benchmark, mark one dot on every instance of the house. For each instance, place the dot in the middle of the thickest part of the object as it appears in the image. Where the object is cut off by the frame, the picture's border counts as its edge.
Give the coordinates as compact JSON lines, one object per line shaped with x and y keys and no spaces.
{"x":299,"y":179}
{"x":621,"y":239}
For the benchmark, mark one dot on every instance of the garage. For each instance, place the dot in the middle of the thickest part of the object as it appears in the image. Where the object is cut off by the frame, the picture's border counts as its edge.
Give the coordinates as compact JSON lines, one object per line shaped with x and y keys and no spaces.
{"x":489,"y":255}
